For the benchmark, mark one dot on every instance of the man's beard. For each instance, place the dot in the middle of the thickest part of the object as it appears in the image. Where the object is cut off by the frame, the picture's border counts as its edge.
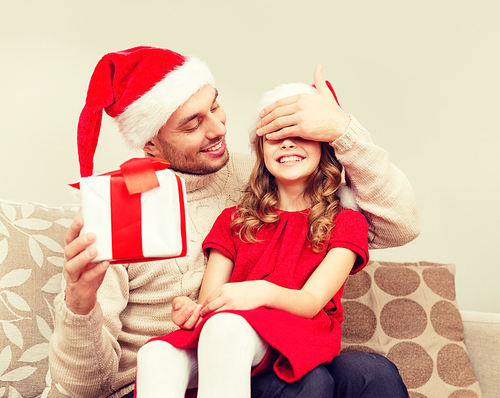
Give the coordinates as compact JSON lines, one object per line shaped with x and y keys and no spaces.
{"x":185,"y":164}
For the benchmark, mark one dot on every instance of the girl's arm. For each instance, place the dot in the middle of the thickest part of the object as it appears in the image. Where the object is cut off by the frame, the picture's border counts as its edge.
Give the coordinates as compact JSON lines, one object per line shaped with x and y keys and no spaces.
{"x":185,"y":312}
{"x":321,"y":286}
{"x":218,"y":272}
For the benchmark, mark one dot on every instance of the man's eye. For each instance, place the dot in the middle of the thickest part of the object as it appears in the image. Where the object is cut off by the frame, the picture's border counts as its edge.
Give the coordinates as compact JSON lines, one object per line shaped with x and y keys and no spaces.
{"x":215,"y":107}
{"x":193,"y":125}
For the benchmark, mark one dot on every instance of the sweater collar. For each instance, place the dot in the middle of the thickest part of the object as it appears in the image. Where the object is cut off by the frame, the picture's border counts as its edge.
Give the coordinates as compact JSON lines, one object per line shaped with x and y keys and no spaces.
{"x":195,"y":181}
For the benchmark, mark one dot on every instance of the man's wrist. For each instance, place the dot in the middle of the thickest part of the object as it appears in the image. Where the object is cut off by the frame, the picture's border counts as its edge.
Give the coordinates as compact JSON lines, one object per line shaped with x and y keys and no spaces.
{"x":79,"y":307}
{"x":341,"y":127}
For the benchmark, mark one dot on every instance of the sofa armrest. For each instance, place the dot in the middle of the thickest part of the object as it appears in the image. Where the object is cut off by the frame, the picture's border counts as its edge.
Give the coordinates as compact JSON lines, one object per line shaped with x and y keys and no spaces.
{"x":482,"y":338}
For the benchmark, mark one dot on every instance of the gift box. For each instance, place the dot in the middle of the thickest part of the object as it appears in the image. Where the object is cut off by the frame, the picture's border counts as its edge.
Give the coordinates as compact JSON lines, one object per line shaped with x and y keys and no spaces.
{"x":138,"y":213}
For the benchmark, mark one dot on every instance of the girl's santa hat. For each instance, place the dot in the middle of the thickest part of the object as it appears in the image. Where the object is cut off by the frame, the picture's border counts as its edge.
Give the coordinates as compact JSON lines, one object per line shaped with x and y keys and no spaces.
{"x":283,"y":91}
{"x":345,"y":193}
{"x":140,"y":88}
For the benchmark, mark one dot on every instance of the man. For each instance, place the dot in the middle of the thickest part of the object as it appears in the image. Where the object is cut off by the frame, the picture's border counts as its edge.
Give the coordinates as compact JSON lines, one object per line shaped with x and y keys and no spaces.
{"x":167,"y":105}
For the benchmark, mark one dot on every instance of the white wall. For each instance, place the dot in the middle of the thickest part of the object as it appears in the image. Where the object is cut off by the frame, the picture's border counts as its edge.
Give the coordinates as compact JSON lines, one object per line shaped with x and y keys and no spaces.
{"x":423,"y":77}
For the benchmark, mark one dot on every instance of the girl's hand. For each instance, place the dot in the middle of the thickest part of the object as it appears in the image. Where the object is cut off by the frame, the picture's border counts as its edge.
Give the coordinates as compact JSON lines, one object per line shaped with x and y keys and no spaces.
{"x":315,"y":117}
{"x":185,"y":312}
{"x":237,"y":296}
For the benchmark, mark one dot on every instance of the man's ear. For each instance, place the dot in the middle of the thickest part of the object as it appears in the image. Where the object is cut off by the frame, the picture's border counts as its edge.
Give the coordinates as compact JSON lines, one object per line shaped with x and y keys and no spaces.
{"x":151,"y":147}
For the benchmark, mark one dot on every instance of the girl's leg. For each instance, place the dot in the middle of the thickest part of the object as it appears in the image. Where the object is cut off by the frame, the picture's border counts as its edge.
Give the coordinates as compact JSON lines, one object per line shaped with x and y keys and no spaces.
{"x":228,"y":349}
{"x":165,"y":371}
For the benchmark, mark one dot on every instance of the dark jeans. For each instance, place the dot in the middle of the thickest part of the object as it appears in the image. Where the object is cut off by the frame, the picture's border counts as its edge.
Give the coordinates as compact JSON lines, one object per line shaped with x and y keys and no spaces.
{"x":351,"y":375}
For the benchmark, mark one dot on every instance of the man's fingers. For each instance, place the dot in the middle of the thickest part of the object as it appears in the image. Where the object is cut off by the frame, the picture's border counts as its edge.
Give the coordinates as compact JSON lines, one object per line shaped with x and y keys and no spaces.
{"x":291,"y":131}
{"x":75,"y":266}
{"x":94,"y":272}
{"x":76,"y":246}
{"x":319,"y":81}
{"x":193,"y":319}
{"x":74,"y":230}
{"x":180,"y":317}
{"x":278,"y":108}
{"x":323,"y":86}
{"x":280,"y":127}
{"x":177,"y":303}
{"x":77,"y":251}
{"x":279,"y":118}
{"x":186,"y":317}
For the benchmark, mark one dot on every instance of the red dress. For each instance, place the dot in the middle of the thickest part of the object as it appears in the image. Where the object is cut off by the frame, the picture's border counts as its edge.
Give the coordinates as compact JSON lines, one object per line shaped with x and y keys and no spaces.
{"x":284,"y":256}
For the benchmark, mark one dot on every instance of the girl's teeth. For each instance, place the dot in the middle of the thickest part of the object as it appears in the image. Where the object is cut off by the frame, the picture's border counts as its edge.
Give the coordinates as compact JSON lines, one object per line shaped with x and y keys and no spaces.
{"x":290,"y":159}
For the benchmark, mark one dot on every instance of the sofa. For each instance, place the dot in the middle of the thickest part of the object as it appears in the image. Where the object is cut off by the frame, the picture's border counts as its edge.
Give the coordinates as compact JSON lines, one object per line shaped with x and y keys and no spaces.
{"x":406,"y":311}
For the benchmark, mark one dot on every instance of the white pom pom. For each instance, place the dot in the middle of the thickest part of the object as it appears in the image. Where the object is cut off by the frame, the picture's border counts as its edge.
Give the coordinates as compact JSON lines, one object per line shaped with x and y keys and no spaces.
{"x":347,"y":198}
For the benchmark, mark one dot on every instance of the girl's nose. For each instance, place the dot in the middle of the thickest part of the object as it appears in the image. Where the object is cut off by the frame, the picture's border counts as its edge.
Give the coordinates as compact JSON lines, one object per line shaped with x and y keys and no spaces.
{"x":287,"y":144}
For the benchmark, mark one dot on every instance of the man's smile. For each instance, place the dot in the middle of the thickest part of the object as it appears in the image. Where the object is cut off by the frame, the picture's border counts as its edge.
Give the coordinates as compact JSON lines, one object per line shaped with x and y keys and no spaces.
{"x":216,"y":149}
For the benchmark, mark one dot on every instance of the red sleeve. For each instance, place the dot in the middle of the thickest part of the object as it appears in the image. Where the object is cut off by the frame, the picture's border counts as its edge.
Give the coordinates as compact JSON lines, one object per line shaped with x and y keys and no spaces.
{"x":221,"y":236}
{"x":351,"y":232}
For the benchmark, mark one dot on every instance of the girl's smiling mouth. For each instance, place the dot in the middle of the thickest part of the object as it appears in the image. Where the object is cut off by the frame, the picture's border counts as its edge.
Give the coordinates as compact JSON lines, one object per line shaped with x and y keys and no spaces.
{"x":290,"y":159}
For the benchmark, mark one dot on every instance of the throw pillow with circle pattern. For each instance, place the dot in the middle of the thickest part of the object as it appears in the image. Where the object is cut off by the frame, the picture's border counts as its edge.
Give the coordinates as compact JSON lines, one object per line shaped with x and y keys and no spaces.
{"x":408,"y":312}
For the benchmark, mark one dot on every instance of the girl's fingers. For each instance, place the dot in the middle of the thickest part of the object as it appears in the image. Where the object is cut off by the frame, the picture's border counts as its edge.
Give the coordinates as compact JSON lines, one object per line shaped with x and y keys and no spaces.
{"x":212,"y":306}
{"x":193,"y":319}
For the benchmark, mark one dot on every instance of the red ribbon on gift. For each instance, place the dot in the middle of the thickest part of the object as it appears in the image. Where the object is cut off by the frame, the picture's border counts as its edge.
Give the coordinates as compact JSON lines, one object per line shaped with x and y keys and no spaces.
{"x":135,"y":176}
{"x":133,"y":168}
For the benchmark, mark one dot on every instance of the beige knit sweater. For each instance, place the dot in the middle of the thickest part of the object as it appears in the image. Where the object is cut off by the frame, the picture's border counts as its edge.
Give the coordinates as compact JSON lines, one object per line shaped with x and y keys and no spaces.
{"x":95,"y":355}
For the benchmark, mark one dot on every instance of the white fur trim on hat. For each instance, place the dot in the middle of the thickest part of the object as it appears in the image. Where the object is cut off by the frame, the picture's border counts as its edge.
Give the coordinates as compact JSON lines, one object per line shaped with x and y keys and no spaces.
{"x":277,"y":93}
{"x":143,"y":118}
{"x":347,"y":198}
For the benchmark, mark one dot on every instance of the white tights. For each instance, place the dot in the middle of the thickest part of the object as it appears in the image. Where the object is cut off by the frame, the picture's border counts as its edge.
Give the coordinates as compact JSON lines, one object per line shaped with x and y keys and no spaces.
{"x":227,"y":350}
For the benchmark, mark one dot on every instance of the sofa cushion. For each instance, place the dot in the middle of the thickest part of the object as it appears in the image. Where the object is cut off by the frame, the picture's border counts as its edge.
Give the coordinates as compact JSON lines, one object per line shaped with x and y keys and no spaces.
{"x":31,"y":261}
{"x":482,"y":337}
{"x":409,"y":313}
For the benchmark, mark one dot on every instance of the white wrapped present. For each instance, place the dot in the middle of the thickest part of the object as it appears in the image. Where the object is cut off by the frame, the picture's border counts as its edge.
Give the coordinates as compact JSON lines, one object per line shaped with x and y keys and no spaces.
{"x":138,"y":213}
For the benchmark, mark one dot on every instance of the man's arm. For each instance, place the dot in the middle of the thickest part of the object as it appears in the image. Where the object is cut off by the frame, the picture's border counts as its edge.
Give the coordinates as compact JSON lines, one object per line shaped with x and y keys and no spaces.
{"x":84,"y":354}
{"x":84,"y":351}
{"x":382,"y":191}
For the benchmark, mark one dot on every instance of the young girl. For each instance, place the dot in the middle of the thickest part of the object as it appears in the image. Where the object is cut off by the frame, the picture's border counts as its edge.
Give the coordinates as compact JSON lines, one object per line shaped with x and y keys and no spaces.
{"x":277,"y":264}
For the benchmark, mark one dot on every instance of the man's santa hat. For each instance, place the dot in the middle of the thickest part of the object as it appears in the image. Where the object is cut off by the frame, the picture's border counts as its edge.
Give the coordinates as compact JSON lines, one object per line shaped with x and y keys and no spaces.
{"x":140,"y":88}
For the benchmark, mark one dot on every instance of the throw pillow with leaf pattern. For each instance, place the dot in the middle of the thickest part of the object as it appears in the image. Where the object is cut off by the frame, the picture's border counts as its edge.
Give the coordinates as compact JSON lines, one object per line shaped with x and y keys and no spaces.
{"x":31,"y":261}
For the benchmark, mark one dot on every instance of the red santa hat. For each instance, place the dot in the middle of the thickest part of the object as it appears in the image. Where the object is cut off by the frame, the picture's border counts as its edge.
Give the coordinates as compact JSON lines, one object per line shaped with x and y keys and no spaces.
{"x":345,"y":193}
{"x":140,"y":88}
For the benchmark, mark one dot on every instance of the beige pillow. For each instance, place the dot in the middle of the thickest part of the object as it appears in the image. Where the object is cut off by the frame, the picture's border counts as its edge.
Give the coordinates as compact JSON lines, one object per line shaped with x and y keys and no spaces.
{"x":408,"y":312}
{"x":31,"y":261}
